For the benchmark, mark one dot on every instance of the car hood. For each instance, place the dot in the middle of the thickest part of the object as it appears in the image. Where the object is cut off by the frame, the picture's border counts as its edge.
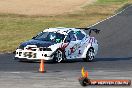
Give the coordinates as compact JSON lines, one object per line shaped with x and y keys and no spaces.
{"x":38,"y":43}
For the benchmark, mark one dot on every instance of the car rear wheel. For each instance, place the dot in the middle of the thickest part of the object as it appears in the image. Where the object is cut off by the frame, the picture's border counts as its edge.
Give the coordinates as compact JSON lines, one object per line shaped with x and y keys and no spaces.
{"x":90,"y":55}
{"x":58,"y":56}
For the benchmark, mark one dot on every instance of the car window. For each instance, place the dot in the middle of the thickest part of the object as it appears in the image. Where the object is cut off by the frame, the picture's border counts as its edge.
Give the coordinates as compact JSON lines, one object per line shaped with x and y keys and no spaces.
{"x":50,"y":36}
{"x":79,"y":35}
{"x":70,"y":37}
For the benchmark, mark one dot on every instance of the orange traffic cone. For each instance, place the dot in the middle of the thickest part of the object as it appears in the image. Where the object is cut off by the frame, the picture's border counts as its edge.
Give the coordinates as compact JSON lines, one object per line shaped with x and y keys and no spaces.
{"x":41,"y":68}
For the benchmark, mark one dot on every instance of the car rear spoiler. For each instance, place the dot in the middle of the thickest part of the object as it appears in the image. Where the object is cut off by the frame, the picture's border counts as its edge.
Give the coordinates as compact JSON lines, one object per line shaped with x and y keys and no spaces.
{"x":90,"y":30}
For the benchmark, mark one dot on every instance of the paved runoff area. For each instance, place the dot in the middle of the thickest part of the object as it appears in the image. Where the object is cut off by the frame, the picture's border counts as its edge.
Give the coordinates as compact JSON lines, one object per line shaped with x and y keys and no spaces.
{"x":65,"y":79}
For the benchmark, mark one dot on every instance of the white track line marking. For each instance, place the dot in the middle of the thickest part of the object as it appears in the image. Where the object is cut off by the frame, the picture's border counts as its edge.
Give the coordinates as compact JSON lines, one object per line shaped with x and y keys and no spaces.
{"x":109,"y":17}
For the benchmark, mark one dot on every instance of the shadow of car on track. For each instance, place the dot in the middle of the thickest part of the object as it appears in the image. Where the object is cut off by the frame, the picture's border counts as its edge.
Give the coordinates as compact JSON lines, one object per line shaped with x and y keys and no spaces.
{"x":97,"y":60}
{"x":100,"y":59}
{"x":80,"y":60}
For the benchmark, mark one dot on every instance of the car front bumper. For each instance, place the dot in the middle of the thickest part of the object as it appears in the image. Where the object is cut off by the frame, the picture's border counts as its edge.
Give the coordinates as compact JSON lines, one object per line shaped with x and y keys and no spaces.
{"x":33,"y":55}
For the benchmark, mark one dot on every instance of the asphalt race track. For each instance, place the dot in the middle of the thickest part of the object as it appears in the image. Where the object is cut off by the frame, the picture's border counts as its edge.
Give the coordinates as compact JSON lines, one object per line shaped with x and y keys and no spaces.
{"x":114,"y":61}
{"x":116,"y":37}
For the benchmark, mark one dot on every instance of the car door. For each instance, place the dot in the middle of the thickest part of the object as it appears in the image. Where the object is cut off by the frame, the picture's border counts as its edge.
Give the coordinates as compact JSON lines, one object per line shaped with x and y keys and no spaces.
{"x":70,"y":49}
{"x":80,"y":36}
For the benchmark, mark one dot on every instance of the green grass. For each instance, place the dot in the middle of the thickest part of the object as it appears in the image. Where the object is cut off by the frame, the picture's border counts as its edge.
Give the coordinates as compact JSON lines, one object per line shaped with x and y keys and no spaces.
{"x":112,"y":1}
{"x":15,"y":29}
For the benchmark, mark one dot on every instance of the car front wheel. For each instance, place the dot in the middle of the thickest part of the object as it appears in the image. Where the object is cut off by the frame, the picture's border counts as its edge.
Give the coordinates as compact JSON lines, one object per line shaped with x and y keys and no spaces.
{"x":58,"y":56}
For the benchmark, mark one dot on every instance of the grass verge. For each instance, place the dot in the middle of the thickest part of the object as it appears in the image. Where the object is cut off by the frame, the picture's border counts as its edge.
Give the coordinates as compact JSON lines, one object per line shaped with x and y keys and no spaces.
{"x":15,"y":29}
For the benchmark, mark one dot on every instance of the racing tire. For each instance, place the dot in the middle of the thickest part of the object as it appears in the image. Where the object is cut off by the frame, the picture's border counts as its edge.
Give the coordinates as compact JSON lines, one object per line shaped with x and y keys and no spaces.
{"x":58,"y":56}
{"x":90,"y":55}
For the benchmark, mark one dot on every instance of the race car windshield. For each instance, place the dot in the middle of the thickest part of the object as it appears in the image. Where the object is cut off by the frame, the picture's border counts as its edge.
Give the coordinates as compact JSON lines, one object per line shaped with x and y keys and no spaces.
{"x":50,"y":36}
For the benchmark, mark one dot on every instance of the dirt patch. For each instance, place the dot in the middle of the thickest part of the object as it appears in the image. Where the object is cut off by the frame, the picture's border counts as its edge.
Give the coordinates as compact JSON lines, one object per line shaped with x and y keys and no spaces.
{"x":41,"y":7}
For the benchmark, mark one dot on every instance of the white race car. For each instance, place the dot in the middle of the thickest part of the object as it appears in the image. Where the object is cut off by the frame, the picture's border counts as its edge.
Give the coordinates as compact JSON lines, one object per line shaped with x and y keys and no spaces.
{"x":59,"y":44}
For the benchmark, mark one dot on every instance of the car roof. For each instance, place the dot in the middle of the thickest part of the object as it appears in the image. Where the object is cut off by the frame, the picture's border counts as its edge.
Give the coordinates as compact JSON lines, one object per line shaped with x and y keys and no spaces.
{"x":61,"y":30}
